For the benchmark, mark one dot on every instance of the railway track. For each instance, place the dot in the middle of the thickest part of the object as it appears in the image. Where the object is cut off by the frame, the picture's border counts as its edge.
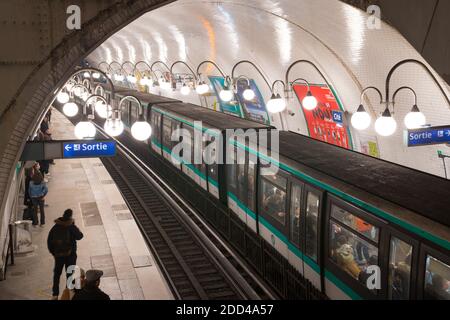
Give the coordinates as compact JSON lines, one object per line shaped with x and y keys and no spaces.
{"x":194,"y":260}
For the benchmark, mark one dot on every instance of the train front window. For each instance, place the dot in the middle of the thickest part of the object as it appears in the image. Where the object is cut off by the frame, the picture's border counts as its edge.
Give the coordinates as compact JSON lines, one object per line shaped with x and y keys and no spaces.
{"x":437,"y":280}
{"x":351,"y":253}
{"x":274,"y":197}
{"x":357,"y":224}
{"x":399,"y":270}
{"x":296,"y":205}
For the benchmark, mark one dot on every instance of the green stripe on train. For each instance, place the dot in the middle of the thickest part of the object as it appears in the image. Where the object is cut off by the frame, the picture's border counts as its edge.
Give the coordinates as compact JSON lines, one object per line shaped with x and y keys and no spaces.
{"x":297,"y":252}
{"x":190,"y":166}
{"x":442,"y":242}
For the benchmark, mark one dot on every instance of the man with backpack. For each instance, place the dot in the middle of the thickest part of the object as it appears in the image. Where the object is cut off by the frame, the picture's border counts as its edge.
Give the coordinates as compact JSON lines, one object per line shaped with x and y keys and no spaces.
{"x":62,"y":244}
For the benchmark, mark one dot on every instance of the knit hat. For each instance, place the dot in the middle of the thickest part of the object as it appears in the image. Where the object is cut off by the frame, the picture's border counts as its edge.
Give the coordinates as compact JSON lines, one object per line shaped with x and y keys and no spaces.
{"x":68,"y":214}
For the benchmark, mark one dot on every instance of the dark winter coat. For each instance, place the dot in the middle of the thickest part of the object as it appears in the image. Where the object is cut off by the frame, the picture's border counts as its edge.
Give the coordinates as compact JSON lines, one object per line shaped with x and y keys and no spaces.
{"x":64,"y":227}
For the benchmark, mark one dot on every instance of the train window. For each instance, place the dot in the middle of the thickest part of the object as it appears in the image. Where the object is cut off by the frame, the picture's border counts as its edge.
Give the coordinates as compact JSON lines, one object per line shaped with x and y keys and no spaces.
{"x":399,"y":269}
{"x":176,"y":126}
{"x":355,"y":223}
{"x":231,"y":170}
{"x":187,"y":141}
{"x":437,"y":279}
{"x":241,"y":178}
{"x":351,"y":253}
{"x":212,"y":168}
{"x":296,"y":205}
{"x":251,"y":186}
{"x":156,"y":126}
{"x":274,"y":197}
{"x":167,"y":133}
{"x":312,"y":215}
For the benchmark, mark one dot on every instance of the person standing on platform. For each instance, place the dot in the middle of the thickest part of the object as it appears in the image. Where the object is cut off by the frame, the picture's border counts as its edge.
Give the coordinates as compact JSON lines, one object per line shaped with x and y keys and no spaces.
{"x":62,"y":244}
{"x":37,"y":191}
{"x":91,"y":290}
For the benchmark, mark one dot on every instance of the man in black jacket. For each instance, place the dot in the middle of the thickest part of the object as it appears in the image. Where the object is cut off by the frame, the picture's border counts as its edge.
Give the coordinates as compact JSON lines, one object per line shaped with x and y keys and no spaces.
{"x":62,"y":244}
{"x":91,"y":290}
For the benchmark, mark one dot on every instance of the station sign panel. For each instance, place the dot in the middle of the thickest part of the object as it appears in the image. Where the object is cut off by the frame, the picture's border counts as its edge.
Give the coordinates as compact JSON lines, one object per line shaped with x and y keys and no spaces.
{"x":89,"y":149}
{"x":427,"y":136}
{"x":68,"y":149}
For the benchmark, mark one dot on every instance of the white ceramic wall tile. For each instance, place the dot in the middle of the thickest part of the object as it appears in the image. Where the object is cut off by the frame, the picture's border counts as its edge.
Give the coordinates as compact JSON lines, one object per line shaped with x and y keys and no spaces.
{"x":275,"y":33}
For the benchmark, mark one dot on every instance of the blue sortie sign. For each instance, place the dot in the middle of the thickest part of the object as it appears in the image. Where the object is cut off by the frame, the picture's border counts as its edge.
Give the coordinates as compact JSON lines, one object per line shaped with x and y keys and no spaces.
{"x":428,"y":136}
{"x":89,"y":149}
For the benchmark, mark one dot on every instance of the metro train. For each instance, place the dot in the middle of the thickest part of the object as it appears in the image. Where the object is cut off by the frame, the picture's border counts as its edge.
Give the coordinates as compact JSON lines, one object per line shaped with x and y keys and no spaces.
{"x":354,"y":226}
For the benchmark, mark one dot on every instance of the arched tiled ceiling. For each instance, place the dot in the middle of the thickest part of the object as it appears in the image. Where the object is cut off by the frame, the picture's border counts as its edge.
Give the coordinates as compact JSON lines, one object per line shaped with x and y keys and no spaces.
{"x":273,"y":34}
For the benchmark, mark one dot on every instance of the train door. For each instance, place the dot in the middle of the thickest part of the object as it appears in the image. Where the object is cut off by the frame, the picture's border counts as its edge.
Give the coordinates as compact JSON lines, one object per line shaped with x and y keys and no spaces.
{"x":236,"y":181}
{"x":296,"y":213}
{"x":199,"y":163}
{"x":273,"y":214}
{"x":354,"y":252}
{"x":156,"y":141}
{"x":188,"y":155}
{"x":176,"y":132}
{"x":434,"y":274}
{"x":401,"y":265}
{"x":213,"y":167}
{"x":166,"y":140}
{"x":312,"y":208}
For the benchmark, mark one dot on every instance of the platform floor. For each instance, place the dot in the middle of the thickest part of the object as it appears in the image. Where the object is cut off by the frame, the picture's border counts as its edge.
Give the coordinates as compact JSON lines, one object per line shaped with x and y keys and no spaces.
{"x":112,"y":241}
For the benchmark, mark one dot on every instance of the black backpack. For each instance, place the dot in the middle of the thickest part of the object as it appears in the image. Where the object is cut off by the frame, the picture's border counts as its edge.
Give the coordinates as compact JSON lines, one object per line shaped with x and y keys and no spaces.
{"x":62,"y":242}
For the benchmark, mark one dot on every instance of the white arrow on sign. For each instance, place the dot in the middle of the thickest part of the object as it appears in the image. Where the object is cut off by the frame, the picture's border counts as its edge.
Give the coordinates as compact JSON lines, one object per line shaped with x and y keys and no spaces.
{"x":68,"y":148}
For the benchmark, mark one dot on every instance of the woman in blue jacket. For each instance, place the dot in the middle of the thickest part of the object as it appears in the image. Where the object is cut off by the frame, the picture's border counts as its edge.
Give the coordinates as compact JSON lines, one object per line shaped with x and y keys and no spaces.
{"x":37,"y":191}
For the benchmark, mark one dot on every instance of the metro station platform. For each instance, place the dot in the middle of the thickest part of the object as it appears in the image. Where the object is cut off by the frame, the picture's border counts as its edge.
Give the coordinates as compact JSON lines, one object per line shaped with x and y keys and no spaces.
{"x":112,"y":241}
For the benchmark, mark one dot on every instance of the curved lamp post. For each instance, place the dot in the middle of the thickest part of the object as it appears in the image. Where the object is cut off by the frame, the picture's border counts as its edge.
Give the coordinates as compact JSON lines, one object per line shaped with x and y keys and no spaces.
{"x":185,"y":89}
{"x":309,"y":102}
{"x":163,"y":83}
{"x":248,"y":93}
{"x":275,"y":104}
{"x":202,"y":88}
{"x":70,"y":108}
{"x":145,"y":81}
{"x":85,"y":129}
{"x":131,"y":77}
{"x":117,"y":76}
{"x":385,"y":124}
{"x":141,"y":129}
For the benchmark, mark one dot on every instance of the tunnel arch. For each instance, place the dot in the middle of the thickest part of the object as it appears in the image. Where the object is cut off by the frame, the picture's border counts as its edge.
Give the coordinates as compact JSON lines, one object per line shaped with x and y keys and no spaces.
{"x":24,"y":111}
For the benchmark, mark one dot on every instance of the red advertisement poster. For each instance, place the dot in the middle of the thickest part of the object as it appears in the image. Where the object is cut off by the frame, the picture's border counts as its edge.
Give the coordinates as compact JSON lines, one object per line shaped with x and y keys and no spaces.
{"x":325,"y":123}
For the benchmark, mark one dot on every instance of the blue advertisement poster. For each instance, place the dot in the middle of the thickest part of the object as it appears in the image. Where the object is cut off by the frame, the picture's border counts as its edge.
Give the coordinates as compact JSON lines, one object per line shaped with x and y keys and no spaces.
{"x":226,"y":107}
{"x":254,"y":109}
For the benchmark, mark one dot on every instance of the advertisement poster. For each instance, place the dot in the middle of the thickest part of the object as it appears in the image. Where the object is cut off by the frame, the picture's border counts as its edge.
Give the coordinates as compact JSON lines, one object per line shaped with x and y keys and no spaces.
{"x":231,"y":107}
{"x":369,"y":146}
{"x":325,"y":123}
{"x":255,"y":109}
